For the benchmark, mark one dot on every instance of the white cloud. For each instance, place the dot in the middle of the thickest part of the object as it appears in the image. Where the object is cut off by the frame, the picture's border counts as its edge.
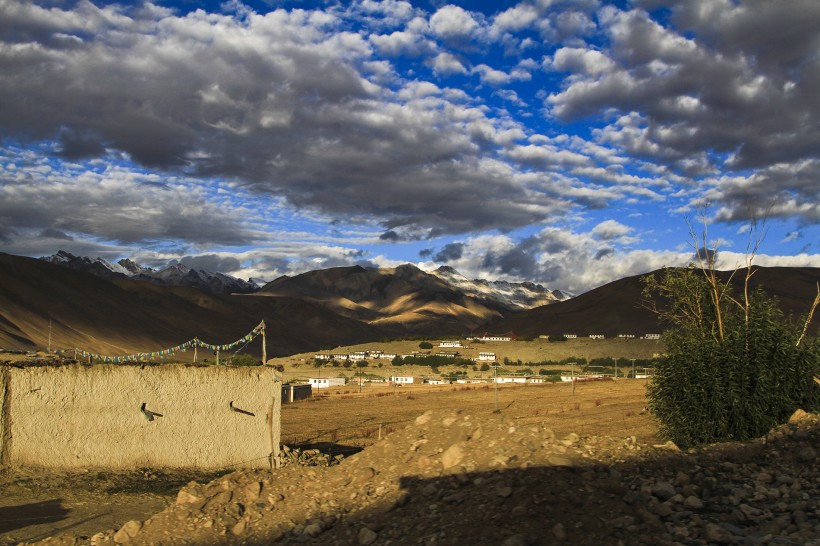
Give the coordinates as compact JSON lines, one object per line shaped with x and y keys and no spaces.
{"x":453,"y":23}
{"x":447,"y":64}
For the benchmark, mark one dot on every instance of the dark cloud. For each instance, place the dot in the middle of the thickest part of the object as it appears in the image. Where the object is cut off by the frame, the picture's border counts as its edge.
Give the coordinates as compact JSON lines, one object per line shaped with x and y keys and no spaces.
{"x":706,"y":255}
{"x":731,"y":85}
{"x":78,"y":145}
{"x":51,"y":233}
{"x":389,"y":235}
{"x":212,"y":262}
{"x":450,"y":252}
{"x":604,"y":253}
{"x":294,"y":116}
{"x":112,"y":206}
{"x":425,"y":253}
{"x":514,"y":262}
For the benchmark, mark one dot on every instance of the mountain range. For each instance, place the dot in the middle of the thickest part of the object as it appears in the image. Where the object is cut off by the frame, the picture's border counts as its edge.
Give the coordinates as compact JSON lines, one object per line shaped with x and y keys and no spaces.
{"x":174,"y":275}
{"x":94,"y":306}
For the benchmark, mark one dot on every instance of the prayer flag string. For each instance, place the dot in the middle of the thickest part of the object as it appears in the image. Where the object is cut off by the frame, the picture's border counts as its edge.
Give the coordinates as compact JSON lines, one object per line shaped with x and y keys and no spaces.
{"x":196,"y":342}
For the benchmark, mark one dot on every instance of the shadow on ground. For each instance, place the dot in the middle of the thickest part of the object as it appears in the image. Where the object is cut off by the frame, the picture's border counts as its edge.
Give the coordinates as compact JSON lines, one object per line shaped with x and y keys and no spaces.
{"x":36,"y":513}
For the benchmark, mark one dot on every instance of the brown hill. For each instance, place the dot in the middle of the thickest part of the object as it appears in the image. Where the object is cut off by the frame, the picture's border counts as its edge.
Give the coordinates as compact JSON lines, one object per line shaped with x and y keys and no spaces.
{"x":123,"y":316}
{"x":615,"y":308}
{"x":404,"y":299}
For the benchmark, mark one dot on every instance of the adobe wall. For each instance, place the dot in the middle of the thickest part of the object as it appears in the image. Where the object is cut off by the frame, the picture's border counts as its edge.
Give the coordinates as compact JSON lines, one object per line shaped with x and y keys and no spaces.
{"x":92,"y":417}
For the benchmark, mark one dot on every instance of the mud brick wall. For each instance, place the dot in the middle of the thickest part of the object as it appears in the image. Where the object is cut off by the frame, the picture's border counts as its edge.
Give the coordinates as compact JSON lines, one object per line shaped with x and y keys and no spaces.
{"x":119,"y":417}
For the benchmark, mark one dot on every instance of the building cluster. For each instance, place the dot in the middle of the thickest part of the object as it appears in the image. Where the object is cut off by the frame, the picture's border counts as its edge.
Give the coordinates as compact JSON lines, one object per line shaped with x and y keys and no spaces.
{"x":620,"y":336}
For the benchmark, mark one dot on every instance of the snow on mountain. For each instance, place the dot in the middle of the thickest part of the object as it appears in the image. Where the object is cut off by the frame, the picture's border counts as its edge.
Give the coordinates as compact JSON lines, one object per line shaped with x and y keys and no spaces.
{"x":516,"y":296}
{"x":100,"y":267}
{"x":173,"y":275}
{"x":132,"y":268}
{"x":509,"y":295}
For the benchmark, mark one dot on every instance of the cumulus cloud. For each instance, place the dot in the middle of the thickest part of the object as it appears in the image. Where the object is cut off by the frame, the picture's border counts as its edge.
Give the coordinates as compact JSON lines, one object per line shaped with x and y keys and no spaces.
{"x":705,"y":93}
{"x":450,"y":252}
{"x":183,"y":133}
{"x":279,"y":102}
{"x":113,"y":205}
{"x":447,"y":64}
{"x":454,"y":24}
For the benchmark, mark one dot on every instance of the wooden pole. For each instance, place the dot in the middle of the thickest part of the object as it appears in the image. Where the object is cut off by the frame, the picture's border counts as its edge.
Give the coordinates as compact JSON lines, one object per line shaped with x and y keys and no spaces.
{"x":264,"y":348}
{"x":217,"y":357}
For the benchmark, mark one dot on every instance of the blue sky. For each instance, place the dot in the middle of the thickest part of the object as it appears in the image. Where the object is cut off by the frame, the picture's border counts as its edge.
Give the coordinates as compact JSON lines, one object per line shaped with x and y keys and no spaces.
{"x":565,"y":142}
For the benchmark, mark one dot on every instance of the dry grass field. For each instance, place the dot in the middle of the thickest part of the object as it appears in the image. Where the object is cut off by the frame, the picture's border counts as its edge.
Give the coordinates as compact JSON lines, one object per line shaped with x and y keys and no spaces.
{"x":346,"y":417}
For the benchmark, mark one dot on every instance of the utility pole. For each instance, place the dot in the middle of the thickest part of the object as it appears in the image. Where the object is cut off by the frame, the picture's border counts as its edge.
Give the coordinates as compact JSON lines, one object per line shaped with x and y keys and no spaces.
{"x":495,"y":380}
{"x":633,"y":368}
{"x":49,"y":336}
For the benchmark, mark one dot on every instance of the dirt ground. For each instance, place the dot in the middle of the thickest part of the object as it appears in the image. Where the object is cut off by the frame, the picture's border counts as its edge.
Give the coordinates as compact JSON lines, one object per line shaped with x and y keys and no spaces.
{"x":35,"y":504}
{"x":347,"y":416}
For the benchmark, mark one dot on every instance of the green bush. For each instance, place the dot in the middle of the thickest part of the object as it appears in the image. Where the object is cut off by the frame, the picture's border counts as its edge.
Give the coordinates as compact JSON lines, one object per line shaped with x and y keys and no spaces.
{"x":733,"y":367}
{"x":245,"y":360}
{"x":425,"y":345}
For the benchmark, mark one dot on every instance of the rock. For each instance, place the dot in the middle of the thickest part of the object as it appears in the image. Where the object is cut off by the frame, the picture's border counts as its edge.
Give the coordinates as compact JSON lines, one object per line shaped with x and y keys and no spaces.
{"x":128,"y":531}
{"x":515,"y":540}
{"x":363,"y":475}
{"x":314,"y":529}
{"x":570,"y":439}
{"x":798,"y":415}
{"x":239,"y":527}
{"x":186,"y":497}
{"x":667,"y":446}
{"x":452,"y":456}
{"x":663,"y":490}
{"x":716,"y":533}
{"x":692,"y":503}
{"x":558,"y":531}
{"x":422,"y":419}
{"x":558,"y":460}
{"x":367,"y":536}
{"x":252,"y":490}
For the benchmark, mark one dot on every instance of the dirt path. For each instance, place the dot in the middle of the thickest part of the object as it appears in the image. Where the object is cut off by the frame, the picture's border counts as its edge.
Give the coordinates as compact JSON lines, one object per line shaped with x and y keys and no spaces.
{"x":38,"y":503}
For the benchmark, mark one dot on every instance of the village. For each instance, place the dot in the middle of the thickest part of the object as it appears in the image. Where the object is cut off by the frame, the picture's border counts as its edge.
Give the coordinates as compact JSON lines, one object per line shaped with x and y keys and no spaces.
{"x":474,"y":360}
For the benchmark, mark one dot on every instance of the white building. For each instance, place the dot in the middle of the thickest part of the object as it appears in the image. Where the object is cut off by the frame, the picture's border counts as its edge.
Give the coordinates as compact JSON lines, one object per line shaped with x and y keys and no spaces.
{"x":340,"y":357}
{"x":596,"y":336}
{"x":518,"y":379}
{"x":486,"y":356}
{"x":388,"y":356}
{"x":326,"y":382}
{"x":401,"y":379}
{"x":323,"y":357}
{"x":652,"y":336}
{"x":495,"y":338}
{"x":450,"y":344}
{"x":571,"y":336}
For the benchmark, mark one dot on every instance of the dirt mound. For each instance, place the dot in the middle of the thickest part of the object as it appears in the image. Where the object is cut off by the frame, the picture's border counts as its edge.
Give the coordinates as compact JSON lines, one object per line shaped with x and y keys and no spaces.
{"x":452,"y":478}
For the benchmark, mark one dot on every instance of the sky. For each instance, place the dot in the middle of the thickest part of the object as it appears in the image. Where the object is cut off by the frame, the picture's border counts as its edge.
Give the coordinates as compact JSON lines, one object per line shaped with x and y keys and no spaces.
{"x":564,"y":142}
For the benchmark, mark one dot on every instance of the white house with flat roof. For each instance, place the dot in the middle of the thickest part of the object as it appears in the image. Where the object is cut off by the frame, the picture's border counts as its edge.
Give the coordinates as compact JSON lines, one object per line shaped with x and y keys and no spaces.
{"x":326,"y":382}
{"x":401,"y":379}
